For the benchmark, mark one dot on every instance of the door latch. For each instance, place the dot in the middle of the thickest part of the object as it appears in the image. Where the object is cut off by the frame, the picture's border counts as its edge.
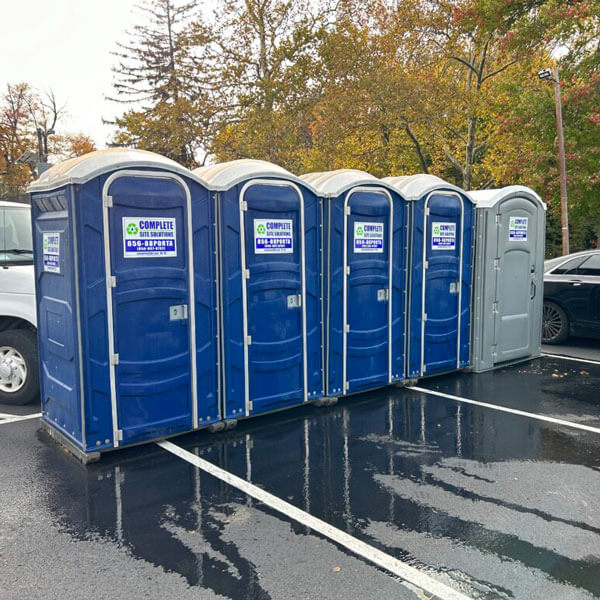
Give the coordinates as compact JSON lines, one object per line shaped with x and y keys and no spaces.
{"x":178,"y":312}
{"x":294,"y":301}
{"x":383,"y":295}
{"x":454,"y":287}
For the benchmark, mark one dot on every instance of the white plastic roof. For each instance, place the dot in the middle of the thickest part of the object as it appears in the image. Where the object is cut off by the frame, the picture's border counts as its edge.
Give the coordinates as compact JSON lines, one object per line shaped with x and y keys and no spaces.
{"x":6,"y":204}
{"x":489,"y":198}
{"x":86,"y":167}
{"x":333,"y":183}
{"x":225,"y":175}
{"x":413,"y":187}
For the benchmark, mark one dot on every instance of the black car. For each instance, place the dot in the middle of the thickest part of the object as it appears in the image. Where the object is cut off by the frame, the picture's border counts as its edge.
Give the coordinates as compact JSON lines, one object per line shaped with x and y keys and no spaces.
{"x":571,"y":297}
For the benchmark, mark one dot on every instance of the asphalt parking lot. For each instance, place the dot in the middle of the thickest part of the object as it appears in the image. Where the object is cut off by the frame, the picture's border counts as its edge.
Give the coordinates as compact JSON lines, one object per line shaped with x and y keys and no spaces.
{"x":482,"y":486}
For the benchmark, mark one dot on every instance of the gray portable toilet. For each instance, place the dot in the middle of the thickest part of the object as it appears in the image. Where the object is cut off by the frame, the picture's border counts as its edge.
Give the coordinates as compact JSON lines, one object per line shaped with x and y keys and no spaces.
{"x":509,"y":276}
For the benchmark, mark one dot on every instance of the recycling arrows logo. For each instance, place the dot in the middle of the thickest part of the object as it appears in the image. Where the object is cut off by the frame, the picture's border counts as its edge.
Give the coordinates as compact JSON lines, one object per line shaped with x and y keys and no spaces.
{"x":436,"y":230}
{"x":359,"y":231}
{"x":261,"y":229}
{"x":132,"y":229}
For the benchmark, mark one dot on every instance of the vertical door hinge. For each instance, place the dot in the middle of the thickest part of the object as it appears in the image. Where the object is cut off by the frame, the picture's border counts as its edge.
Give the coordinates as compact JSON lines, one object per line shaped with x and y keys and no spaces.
{"x":108,"y":201}
{"x":248,"y":340}
{"x":346,"y":386}
{"x":112,"y":280}
{"x":427,"y":211}
{"x":496,"y":263}
{"x":498,"y":219}
{"x":250,"y":405}
{"x":348,"y":270}
{"x":425,"y":317}
{"x":119,"y":435}
{"x":427,"y":264}
{"x":495,"y":307}
{"x":244,"y":205}
{"x":114,"y":359}
{"x":247,"y":274}
{"x":347,"y":327}
{"x":348,"y":210}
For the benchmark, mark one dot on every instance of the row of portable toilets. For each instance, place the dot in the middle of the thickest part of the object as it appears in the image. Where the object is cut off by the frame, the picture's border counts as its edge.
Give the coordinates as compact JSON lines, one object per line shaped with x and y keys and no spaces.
{"x":170,"y":300}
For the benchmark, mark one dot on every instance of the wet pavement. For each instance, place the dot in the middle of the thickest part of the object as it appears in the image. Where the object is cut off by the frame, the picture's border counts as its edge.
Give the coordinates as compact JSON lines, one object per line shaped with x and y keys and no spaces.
{"x":578,"y":347}
{"x":493,"y":504}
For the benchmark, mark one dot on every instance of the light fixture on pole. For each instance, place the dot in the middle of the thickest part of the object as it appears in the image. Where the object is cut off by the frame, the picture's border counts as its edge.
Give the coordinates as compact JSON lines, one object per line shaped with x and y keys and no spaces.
{"x":552,"y":75}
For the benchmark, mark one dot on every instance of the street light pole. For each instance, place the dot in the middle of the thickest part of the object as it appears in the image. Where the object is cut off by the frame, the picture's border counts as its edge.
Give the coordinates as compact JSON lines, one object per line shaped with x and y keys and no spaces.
{"x":562,"y":163}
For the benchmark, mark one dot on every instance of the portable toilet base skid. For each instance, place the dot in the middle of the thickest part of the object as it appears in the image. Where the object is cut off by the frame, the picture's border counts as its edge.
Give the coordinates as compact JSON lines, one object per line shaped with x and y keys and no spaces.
{"x":509,"y":277}
{"x":124,"y":260}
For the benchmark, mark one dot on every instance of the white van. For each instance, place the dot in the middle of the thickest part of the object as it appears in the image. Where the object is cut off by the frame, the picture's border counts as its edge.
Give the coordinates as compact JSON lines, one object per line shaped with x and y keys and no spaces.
{"x":19,"y":379}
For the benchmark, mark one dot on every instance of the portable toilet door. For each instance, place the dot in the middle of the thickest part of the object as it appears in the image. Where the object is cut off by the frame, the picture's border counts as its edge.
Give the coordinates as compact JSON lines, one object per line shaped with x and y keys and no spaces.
{"x":125,"y":269}
{"x":441,"y":263}
{"x":509,"y":276}
{"x":269,"y":268}
{"x":364,"y":280}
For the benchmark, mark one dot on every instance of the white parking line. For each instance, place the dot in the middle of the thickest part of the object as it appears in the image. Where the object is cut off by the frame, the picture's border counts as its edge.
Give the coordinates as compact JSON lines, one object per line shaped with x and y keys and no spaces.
{"x":513,"y":411}
{"x":6,"y":418}
{"x":565,"y":357}
{"x":383,"y":560}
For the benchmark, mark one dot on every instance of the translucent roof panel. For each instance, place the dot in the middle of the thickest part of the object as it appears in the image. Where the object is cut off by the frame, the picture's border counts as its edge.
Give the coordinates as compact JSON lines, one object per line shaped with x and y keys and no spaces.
{"x":489,"y":198}
{"x":86,"y":167}
{"x":334,"y":183}
{"x":223,"y":176}
{"x":414,"y":187}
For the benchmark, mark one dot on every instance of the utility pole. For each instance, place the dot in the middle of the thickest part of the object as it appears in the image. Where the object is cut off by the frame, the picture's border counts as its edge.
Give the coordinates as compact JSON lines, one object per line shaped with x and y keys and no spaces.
{"x":562,"y":163}
{"x":552,"y":75}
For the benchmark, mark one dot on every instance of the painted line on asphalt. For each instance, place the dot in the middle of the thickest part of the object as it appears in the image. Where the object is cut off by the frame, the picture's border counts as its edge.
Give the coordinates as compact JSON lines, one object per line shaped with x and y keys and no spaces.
{"x":7,"y":418}
{"x":513,"y":411}
{"x":381,"y":559}
{"x":565,"y":357}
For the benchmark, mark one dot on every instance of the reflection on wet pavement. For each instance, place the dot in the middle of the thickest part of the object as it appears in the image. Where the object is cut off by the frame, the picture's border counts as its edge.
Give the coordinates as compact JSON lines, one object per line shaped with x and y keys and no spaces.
{"x":492,"y":504}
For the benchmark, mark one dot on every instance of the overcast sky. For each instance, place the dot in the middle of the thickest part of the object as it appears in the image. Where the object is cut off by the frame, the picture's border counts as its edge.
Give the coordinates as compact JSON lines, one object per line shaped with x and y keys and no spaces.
{"x":65,"y":45}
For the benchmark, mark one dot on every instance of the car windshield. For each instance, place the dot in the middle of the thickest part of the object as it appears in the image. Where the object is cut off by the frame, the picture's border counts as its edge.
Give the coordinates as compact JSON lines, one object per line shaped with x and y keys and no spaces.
{"x":15,"y":236}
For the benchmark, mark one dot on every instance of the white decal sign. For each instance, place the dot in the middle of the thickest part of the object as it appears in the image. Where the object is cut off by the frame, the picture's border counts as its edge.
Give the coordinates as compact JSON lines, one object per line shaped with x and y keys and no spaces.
{"x":443,"y":236}
{"x":517,"y":229}
{"x":51,"y":251}
{"x":273,"y":236}
{"x":368,"y":237}
{"x":145,"y":237}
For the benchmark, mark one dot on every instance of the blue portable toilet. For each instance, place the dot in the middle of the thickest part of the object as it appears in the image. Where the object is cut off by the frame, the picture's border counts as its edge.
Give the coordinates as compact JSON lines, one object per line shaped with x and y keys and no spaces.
{"x":269,"y":284}
{"x":441,"y":242}
{"x":125,"y":267}
{"x":364,"y":280}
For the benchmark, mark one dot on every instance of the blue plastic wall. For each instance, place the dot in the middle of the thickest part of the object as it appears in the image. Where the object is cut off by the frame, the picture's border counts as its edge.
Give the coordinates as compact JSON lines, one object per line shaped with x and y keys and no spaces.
{"x":60,"y":385}
{"x":441,"y":325}
{"x":153,"y":377}
{"x":275,"y":355}
{"x":368,"y":338}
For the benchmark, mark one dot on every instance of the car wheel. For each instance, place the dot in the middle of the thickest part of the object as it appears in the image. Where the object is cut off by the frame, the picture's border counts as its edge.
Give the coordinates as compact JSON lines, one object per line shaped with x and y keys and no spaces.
{"x":19,"y":380}
{"x":555,"y":324}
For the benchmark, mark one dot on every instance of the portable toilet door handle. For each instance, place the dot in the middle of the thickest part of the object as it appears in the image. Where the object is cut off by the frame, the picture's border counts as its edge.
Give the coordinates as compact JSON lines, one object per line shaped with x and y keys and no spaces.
{"x":383,"y":295}
{"x":454,"y":286}
{"x":178,"y":312}
{"x":294,"y":301}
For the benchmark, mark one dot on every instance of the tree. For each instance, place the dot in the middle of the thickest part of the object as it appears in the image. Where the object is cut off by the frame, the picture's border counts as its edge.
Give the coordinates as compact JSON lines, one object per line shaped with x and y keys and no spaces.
{"x":15,"y":138}
{"x":266,"y":51}
{"x":30,"y":120}
{"x":160,"y":72}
